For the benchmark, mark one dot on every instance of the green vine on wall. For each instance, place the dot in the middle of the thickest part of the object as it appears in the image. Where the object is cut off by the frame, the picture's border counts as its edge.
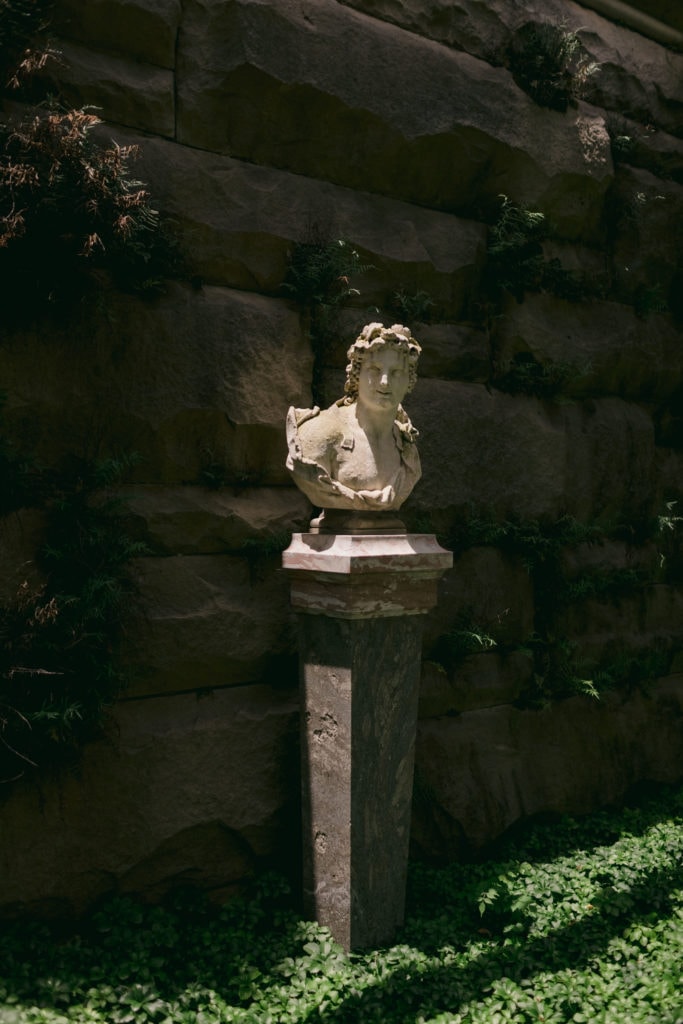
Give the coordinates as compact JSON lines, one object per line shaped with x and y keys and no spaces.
{"x":516,"y":263}
{"x":524,"y":375}
{"x":559,"y":670}
{"x":319,"y":277}
{"x":59,"y":637}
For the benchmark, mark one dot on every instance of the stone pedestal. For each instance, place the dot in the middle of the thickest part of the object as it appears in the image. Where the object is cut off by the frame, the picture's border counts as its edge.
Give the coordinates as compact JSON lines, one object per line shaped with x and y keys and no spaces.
{"x":361,"y":599}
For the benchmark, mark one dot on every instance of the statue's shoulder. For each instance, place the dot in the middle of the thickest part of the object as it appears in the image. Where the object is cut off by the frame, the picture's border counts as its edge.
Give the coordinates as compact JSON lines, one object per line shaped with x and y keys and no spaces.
{"x":318,"y":428}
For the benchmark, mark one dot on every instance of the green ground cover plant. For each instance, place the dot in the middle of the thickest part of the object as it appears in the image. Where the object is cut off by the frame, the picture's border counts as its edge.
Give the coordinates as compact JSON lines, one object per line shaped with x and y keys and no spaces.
{"x":572,"y":921}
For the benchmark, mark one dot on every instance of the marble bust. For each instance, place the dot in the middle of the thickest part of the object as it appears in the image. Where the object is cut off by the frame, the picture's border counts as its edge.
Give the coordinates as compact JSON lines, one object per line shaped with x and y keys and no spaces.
{"x":360,"y":454}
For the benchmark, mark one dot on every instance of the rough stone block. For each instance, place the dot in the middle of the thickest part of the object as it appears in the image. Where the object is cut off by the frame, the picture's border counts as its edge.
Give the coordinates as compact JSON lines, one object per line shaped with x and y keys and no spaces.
{"x":610,"y":461}
{"x":470,"y":25}
{"x":125,"y":91}
{"x":240,"y":222}
{"x":647,"y":246}
{"x":144,"y":29}
{"x":210,"y":857}
{"x":206,"y":621}
{"x":608,"y":555}
{"x":454,"y":351}
{"x":242,"y":86}
{"x":485,"y":30}
{"x":487,"y":589}
{"x":648,"y":619}
{"x":518,"y":455}
{"x":479,"y":681}
{"x":175,"y":784}
{"x":482,"y":771}
{"x":507,"y":454}
{"x":637,"y":77}
{"x":605,"y":346}
{"x":669,"y":477}
{"x":200,"y":521}
{"x":186,"y":381}
{"x":653,"y":150}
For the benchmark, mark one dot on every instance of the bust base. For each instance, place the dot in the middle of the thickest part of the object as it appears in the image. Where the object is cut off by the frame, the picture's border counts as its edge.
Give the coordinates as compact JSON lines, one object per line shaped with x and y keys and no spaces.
{"x":349,"y":521}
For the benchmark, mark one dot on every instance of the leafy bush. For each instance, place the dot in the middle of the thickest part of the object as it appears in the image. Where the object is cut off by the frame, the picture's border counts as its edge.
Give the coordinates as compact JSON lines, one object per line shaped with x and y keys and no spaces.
{"x":22,"y":22}
{"x":70,"y":212}
{"x":71,"y":215}
{"x":516,"y":263}
{"x":574,"y":921}
{"x":320,"y":272}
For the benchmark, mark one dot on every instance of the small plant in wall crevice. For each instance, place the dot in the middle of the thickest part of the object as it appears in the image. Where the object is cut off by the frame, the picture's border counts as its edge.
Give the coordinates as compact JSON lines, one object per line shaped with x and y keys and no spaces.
{"x":516,"y":263}
{"x":550,"y":64}
{"x":515,"y":253}
{"x":464,"y":639}
{"x":319,"y":279}
{"x":413,"y":306}
{"x":525,"y":375}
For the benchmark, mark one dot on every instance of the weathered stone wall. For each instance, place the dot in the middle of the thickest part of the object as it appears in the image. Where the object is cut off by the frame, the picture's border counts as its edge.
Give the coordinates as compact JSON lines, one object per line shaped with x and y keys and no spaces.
{"x":393,"y":126}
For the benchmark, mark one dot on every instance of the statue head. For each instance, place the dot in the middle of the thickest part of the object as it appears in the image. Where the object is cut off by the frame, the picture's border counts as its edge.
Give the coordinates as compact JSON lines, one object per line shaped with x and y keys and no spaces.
{"x":374,"y":336}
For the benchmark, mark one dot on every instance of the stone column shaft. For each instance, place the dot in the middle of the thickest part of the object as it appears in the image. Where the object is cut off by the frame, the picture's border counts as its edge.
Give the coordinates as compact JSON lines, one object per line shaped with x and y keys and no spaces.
{"x":361,"y":599}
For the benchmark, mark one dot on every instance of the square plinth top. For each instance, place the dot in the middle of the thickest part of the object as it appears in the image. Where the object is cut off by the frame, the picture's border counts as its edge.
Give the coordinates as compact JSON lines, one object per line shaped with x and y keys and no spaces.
{"x":358,"y":554}
{"x":361,"y":576}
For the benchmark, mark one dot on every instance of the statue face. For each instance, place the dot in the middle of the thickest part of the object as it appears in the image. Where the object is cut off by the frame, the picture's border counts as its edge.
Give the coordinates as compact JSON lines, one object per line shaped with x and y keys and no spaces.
{"x":383,"y":380}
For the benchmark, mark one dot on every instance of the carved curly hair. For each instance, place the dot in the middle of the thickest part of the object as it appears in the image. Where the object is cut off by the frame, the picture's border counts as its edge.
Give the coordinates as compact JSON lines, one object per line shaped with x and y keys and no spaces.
{"x":371,"y":337}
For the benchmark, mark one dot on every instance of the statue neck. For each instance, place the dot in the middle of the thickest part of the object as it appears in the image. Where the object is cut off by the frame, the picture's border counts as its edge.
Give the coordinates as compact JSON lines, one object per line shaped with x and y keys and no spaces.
{"x":374,"y":422}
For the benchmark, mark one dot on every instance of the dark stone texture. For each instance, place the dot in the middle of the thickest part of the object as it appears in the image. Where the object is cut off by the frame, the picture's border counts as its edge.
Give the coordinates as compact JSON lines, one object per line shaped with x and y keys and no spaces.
{"x":360,"y":683}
